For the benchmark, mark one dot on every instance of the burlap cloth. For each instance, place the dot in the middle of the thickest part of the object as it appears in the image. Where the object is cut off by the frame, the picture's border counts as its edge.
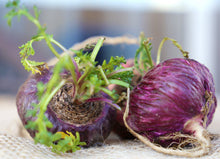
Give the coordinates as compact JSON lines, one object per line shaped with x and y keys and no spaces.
{"x":15,"y":143}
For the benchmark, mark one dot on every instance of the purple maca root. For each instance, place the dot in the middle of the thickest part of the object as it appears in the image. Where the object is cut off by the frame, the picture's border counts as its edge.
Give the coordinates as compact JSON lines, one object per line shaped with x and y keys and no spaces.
{"x":172,"y":106}
{"x":93,"y":130}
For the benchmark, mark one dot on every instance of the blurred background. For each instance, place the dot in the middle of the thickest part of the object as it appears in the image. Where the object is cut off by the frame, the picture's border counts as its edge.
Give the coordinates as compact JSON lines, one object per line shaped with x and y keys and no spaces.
{"x":193,"y":23}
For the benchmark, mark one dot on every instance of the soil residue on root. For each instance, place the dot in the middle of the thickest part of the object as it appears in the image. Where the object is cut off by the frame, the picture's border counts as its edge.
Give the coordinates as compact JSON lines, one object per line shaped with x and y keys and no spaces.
{"x":65,"y":108}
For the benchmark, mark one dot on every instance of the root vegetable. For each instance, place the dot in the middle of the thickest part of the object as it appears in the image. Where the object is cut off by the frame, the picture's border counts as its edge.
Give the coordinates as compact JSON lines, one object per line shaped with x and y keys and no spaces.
{"x":93,"y":131}
{"x":172,"y":106}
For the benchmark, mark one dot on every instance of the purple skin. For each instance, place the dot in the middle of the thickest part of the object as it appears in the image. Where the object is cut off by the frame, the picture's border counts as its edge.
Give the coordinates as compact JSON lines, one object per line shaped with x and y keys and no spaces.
{"x":169,"y":95}
{"x":93,"y":133}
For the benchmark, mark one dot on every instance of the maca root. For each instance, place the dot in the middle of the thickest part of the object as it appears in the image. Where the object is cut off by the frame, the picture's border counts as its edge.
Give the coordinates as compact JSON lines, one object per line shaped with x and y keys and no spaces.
{"x":197,"y":144}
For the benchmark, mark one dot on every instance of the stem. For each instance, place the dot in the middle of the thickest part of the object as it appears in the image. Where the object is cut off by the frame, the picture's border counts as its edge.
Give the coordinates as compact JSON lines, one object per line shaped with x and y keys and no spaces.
{"x":107,"y":91}
{"x":68,"y":63}
{"x":47,"y":39}
{"x":84,"y":75}
{"x":42,"y":30}
{"x":144,"y":62}
{"x":184,"y":53}
{"x":119,"y":82}
{"x":121,"y":70}
{"x":97,"y":48}
{"x":71,"y":67}
{"x":159,"y":50}
{"x":31,"y":18}
{"x":93,"y":57}
{"x":58,"y":44}
{"x":45,"y":101}
{"x":136,"y":62}
{"x":148,"y":53}
{"x":103,"y":75}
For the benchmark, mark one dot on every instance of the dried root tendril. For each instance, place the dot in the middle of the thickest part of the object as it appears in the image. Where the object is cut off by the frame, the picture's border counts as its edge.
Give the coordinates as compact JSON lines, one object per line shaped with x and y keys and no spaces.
{"x":122,"y":97}
{"x":181,"y":141}
{"x":206,"y":108}
{"x":200,"y":140}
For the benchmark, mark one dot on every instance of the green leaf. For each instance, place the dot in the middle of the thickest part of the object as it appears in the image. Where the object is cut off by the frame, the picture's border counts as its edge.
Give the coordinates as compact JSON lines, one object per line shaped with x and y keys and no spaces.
{"x":143,"y":60}
{"x":31,"y":113}
{"x":13,"y":3}
{"x":26,"y":51}
{"x":48,"y":124}
{"x":40,"y":87}
{"x":36,"y":12}
{"x":113,"y":63}
{"x":43,"y":137}
{"x":31,"y":125}
{"x":119,"y":82}
{"x":96,"y":49}
{"x":57,"y":136}
{"x":125,"y":76}
{"x":15,"y":10}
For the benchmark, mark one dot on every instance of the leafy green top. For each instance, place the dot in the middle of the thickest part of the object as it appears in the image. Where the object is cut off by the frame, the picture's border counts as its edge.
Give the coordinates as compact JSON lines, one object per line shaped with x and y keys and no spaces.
{"x":87,"y":77}
{"x":144,"y":62}
{"x":27,"y":49}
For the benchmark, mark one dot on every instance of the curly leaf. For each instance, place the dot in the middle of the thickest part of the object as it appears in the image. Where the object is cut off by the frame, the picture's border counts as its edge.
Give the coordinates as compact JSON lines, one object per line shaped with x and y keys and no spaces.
{"x":32,"y":66}
{"x":66,"y":142}
{"x":125,"y":76}
{"x":113,"y":62}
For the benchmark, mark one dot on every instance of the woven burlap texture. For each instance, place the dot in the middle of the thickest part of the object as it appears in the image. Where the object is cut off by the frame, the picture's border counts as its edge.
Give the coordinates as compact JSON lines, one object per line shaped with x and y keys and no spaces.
{"x":20,"y":148}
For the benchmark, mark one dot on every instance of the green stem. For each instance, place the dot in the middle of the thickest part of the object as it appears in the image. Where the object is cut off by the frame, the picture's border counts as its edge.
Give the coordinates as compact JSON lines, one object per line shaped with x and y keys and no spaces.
{"x":83,"y":76}
{"x":97,"y":48}
{"x":44,"y":102}
{"x":119,"y":82}
{"x":103,"y":75}
{"x":136,"y":62}
{"x":148,"y":53}
{"x":47,"y":39}
{"x":31,"y":18}
{"x":159,"y":50}
{"x":71,"y":67}
{"x":107,"y":91}
{"x":58,"y":44}
{"x":93,"y":57}
{"x":67,"y":61}
{"x":42,"y":30}
{"x":121,"y":70}
{"x":184,"y":53}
